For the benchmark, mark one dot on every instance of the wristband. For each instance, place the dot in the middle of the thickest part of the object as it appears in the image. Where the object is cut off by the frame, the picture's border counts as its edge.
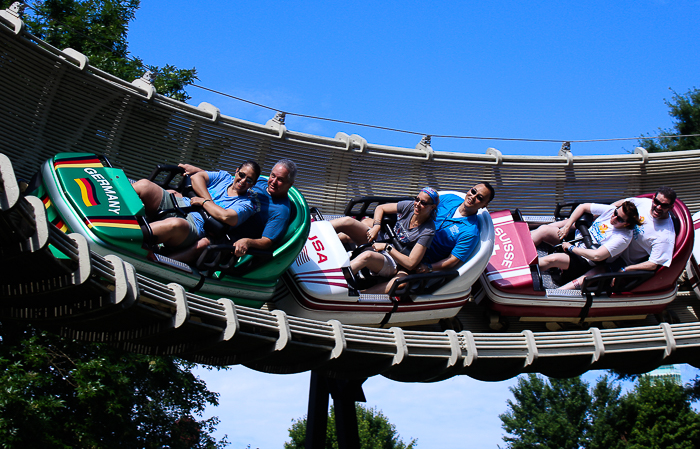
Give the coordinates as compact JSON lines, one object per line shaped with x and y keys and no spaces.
{"x":570,"y":249}
{"x":204,"y":202}
{"x":377,"y":223}
{"x":622,"y":269}
{"x":429,"y":266}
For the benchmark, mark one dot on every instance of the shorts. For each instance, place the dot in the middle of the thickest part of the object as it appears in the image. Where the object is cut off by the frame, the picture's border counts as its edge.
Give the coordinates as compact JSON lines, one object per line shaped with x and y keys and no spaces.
{"x":389,"y":269}
{"x":169,"y":201}
{"x":578,"y":266}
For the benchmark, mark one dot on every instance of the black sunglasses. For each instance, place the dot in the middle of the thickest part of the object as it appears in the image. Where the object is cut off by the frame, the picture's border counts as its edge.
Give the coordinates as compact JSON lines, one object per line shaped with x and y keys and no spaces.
{"x":619,"y":218}
{"x":246,"y":178}
{"x":422,"y":202}
{"x":479,"y":196}
{"x":662,"y":205}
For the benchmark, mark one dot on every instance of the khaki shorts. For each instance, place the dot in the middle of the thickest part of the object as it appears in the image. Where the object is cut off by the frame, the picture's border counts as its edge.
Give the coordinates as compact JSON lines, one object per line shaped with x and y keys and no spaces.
{"x":169,"y":201}
{"x":389,"y":269}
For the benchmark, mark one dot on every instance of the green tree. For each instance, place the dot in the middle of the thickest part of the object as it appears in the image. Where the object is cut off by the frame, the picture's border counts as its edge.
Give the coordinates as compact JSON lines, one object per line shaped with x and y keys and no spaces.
{"x":375,"y":431}
{"x":655,"y":414}
{"x":60,"y":393}
{"x":658,"y":414}
{"x":98,"y":29}
{"x":685,"y":110}
{"x":546,"y":414}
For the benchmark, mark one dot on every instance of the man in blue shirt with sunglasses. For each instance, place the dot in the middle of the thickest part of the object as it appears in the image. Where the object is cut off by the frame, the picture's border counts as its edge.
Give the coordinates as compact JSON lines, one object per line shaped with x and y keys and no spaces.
{"x":456,"y":228}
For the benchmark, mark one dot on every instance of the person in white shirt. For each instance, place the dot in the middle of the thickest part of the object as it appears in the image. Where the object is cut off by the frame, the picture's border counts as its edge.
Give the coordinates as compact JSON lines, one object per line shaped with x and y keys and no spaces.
{"x":653,"y":240}
{"x":611,"y":233}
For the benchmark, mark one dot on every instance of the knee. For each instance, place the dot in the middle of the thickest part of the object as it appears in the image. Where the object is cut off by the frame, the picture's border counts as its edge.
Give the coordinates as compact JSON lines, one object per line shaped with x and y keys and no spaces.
{"x":341,"y":223}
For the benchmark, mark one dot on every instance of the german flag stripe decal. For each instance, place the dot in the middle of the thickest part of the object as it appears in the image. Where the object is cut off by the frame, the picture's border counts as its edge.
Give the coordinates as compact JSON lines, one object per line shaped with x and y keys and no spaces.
{"x":87,"y":192}
{"x":78,"y":162}
{"x":112,"y":222}
{"x":59,"y":224}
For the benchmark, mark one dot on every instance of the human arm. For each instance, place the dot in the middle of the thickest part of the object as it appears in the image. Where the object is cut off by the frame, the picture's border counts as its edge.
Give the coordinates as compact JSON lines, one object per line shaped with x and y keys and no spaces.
{"x":243,"y":245}
{"x":237,"y":213}
{"x":409,"y":262}
{"x":581,"y":209}
{"x":379,"y":211}
{"x":595,"y":255}
{"x":190,"y":169}
{"x":441,"y":265}
{"x":643,"y":266}
{"x":200,"y":183}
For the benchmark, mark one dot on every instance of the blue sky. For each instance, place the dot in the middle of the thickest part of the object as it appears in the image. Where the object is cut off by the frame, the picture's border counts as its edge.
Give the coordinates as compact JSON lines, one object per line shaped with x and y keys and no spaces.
{"x":537,"y":70}
{"x":533,"y":70}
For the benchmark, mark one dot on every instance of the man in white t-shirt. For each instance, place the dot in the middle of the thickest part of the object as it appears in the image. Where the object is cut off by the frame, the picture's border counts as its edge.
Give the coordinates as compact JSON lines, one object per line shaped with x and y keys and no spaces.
{"x":653,"y":240}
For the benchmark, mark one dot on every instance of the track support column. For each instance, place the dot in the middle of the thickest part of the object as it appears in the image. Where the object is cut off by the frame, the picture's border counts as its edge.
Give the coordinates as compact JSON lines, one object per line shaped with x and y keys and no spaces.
{"x":345,"y":392}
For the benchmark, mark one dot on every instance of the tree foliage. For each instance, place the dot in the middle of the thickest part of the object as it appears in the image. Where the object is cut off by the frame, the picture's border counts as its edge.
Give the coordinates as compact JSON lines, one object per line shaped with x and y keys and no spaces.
{"x":565,"y":414}
{"x":98,"y":29}
{"x":685,"y":110}
{"x":61,"y":393}
{"x":375,"y":431}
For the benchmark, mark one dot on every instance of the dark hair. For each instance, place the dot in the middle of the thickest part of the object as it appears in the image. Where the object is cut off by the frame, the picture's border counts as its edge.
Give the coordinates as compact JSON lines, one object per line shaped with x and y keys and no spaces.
{"x":492,"y":191}
{"x":632,"y":214}
{"x":667,"y":192}
{"x":252,"y":164}
{"x":290,"y":166}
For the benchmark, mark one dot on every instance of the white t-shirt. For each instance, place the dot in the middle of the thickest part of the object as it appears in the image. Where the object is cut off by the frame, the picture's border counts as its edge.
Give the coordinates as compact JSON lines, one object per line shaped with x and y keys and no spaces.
{"x":603,"y":233}
{"x":653,"y":238}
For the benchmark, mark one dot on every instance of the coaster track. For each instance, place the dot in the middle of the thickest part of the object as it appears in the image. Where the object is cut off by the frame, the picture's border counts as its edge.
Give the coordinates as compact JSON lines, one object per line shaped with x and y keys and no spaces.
{"x":54,"y":101}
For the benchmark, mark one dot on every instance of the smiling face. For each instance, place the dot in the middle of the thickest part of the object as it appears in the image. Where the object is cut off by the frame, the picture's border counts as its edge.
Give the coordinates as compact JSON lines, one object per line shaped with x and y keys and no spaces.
{"x":476,"y":198}
{"x":423,"y":206}
{"x":660,"y":206}
{"x":619,"y":218}
{"x":279,"y":183}
{"x":244,"y":179}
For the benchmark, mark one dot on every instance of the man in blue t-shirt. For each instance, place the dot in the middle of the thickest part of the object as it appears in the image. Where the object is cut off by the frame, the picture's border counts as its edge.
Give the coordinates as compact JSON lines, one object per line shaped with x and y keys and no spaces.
{"x":456,"y":228}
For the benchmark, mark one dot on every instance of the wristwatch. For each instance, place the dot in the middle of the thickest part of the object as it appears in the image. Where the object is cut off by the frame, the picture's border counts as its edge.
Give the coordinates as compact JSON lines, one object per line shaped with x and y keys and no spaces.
{"x":388,"y":248}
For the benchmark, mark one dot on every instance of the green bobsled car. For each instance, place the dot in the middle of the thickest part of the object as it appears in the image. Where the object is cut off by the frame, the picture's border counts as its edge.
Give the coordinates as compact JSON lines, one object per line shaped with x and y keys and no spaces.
{"x":83,"y":194}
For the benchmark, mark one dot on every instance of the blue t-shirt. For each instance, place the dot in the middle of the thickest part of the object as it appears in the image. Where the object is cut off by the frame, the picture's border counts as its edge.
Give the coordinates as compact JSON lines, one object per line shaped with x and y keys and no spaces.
{"x":271,"y":218}
{"x":219,"y":182}
{"x":456,"y":236}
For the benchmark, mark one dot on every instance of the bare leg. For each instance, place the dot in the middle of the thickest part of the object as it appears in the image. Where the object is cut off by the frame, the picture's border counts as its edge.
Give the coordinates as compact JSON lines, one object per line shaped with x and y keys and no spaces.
{"x":547,"y":233}
{"x":555,"y":260}
{"x":191,"y":254}
{"x":355,"y":230}
{"x":150,"y":193}
{"x":384,"y":287}
{"x":370,"y":259}
{"x":576,"y":283}
{"x":171,"y":231}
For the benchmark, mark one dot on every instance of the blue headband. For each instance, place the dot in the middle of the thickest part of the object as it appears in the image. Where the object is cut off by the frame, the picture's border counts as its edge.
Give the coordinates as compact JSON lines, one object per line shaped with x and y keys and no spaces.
{"x":432,"y":193}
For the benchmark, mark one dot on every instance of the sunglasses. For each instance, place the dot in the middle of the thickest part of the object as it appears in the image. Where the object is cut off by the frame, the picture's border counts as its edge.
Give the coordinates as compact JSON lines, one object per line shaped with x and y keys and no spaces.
{"x":479,"y":197}
{"x":247,"y":179}
{"x":661,"y":205}
{"x":422,"y":202}
{"x":619,"y":218}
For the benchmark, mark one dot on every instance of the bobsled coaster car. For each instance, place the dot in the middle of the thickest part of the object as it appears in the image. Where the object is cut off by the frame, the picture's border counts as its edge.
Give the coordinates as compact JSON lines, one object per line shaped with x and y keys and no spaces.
{"x":692,"y":267}
{"x":317,"y":281}
{"x":513,"y":286}
{"x":82,"y":193}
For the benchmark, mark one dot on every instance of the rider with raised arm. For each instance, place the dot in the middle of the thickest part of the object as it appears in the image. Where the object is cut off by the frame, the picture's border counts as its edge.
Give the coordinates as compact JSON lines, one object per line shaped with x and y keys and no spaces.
{"x":221,"y":195}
